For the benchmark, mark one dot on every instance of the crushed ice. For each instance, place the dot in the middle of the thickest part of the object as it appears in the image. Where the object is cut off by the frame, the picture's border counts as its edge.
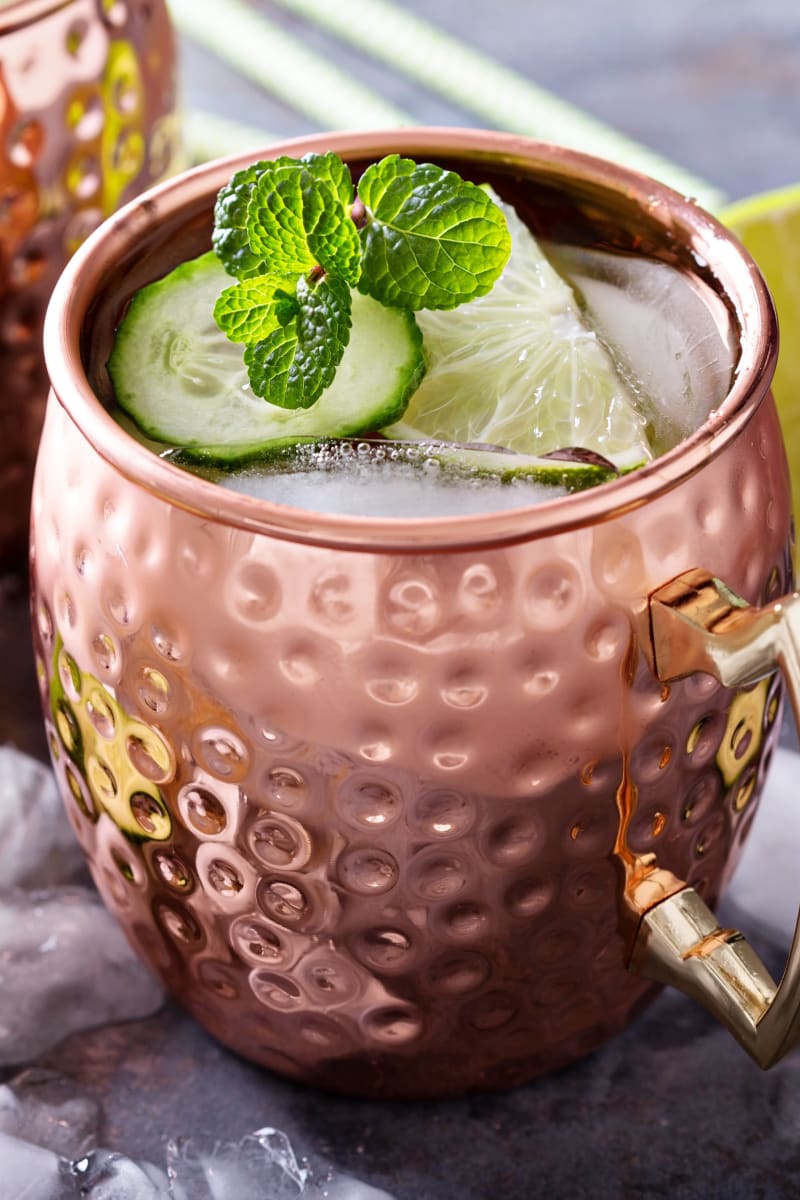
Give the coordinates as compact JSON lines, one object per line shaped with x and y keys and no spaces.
{"x":65,"y":967}
{"x":386,"y":479}
{"x":37,"y":846}
{"x":261,"y":1166}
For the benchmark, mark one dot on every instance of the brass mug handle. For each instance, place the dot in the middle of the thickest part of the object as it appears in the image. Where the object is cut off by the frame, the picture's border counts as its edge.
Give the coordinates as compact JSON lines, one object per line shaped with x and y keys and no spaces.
{"x":699,"y":624}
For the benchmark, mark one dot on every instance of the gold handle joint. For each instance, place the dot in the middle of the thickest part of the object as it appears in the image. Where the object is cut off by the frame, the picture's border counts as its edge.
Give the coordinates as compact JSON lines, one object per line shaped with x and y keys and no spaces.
{"x":699,"y":624}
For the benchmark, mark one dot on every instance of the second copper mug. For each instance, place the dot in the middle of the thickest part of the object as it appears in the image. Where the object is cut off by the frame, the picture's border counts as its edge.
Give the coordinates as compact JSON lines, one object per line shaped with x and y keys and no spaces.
{"x":409,"y":807}
{"x":87,"y":120}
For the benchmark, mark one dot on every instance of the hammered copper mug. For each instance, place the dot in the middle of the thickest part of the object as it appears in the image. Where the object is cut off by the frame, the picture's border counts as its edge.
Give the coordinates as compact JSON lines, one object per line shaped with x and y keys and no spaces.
{"x":395,"y":806}
{"x":87,"y":120}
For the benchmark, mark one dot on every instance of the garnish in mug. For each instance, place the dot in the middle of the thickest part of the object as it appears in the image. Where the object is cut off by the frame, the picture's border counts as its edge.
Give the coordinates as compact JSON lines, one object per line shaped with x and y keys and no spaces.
{"x":298,"y":238}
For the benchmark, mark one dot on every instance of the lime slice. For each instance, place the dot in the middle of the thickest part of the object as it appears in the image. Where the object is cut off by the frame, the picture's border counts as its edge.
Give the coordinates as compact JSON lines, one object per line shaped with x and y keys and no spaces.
{"x":769,"y":226}
{"x":521,"y":369}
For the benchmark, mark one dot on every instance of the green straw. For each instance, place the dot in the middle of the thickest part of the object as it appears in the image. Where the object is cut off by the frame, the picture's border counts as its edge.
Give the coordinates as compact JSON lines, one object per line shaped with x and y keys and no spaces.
{"x":259,"y":49}
{"x":207,"y":135}
{"x":497,"y":94}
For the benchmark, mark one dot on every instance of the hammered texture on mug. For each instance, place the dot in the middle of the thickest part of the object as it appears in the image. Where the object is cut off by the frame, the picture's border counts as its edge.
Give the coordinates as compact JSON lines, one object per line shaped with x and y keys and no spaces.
{"x":87,"y":120}
{"x":370,"y":815}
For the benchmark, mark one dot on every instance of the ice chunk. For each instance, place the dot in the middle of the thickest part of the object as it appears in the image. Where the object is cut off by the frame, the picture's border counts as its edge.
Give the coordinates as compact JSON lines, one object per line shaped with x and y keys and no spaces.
{"x":64,"y":967}
{"x":343,"y":1187}
{"x":104,"y":1175}
{"x":49,"y":1110}
{"x":37,"y":847}
{"x":261,"y":1164}
{"x":30,"y":1173}
{"x":670,"y":334}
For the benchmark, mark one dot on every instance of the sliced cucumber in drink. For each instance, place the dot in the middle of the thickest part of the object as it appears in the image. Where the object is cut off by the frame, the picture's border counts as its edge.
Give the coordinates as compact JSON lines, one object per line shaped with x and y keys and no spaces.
{"x":184,"y":384}
{"x":466,"y":462}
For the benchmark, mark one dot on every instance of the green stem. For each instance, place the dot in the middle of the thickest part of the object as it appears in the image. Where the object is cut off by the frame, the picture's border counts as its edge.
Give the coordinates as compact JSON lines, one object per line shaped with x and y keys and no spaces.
{"x":280,"y":64}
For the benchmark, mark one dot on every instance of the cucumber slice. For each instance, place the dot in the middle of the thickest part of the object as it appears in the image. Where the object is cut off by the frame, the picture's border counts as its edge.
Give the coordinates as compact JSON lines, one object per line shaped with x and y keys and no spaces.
{"x":508,"y":467}
{"x":183,"y":383}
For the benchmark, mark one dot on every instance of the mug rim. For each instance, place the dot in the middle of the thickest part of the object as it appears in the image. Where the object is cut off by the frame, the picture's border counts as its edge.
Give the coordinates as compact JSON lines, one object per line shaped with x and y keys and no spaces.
{"x":732,"y":266}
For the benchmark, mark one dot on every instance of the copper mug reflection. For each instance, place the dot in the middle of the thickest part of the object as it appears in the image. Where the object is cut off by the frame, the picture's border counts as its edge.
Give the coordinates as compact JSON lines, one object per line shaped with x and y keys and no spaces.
{"x":87,"y":120}
{"x":398,"y":807}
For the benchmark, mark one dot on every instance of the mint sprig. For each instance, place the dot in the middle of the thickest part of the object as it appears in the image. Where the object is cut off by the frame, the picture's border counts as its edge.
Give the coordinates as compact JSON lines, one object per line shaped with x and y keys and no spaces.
{"x":298,"y":239}
{"x":298,"y":360}
{"x":433,"y":241}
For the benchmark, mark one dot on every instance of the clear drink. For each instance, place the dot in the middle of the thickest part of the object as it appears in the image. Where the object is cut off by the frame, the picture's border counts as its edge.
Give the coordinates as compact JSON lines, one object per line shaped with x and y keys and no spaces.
{"x":381,"y":480}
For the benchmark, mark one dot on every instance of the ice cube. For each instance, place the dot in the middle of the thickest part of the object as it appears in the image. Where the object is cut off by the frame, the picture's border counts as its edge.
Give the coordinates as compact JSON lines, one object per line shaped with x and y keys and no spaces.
{"x":64,"y":967}
{"x":263,"y":1164}
{"x":104,"y":1175}
{"x":37,"y":846}
{"x":49,"y":1110}
{"x":279,"y":1150}
{"x":670,"y":334}
{"x":30,"y":1173}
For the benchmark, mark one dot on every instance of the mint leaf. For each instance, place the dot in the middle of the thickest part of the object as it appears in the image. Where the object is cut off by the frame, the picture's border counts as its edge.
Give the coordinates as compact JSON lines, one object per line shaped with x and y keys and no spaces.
{"x":249,"y":311}
{"x":277,"y":212}
{"x":230,"y":238}
{"x":298,"y":217}
{"x":329,"y":168}
{"x":333,"y":238}
{"x":298,"y":360}
{"x":432,"y":240}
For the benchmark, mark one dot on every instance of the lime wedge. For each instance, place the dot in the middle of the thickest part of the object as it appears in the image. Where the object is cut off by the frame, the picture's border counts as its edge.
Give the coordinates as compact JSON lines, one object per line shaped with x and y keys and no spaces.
{"x":521,"y":369}
{"x":769,"y":226}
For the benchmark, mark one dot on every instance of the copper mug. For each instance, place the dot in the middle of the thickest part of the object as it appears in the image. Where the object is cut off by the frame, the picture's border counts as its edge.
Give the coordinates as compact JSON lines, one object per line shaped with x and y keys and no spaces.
{"x":407,"y":807}
{"x":87,"y":118}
